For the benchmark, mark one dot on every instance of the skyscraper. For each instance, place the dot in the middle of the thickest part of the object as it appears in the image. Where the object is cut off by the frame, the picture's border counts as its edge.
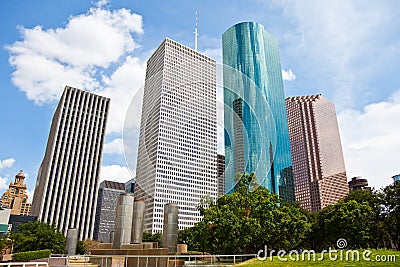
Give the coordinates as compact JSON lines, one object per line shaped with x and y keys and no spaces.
{"x":318,"y":165}
{"x":68,"y":178}
{"x":178,"y":134}
{"x":106,"y":208}
{"x":256,"y":130}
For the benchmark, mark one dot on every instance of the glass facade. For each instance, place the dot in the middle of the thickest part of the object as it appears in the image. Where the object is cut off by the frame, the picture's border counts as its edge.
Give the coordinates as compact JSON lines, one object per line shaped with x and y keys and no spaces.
{"x":255,"y":121}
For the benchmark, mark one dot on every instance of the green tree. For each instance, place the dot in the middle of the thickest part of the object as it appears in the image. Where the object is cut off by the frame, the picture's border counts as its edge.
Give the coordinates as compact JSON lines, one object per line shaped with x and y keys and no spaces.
{"x":3,"y":242}
{"x":350,"y":220}
{"x":246,"y":220}
{"x":293,"y":225}
{"x":157,"y":237}
{"x":371,"y":197}
{"x":37,"y":236}
{"x":391,"y":200}
{"x":80,"y":249}
{"x":198,"y":238}
{"x":184,"y":235}
{"x":379,"y":235}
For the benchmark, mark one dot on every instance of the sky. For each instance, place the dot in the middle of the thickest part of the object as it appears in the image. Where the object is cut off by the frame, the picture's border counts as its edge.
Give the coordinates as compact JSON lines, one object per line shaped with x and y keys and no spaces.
{"x":348,"y":51}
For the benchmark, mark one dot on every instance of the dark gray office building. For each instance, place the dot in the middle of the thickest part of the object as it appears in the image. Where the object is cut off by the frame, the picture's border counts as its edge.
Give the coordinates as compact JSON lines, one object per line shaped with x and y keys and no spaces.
{"x":130,"y":186}
{"x":105,"y":211}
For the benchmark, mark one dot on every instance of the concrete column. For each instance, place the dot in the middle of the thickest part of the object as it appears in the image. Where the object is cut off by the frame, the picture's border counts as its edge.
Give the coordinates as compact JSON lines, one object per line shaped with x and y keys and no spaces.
{"x":137,"y":222}
{"x":71,"y":242}
{"x":181,"y":248}
{"x":170,"y":229}
{"x":111,"y":237}
{"x":123,"y":220}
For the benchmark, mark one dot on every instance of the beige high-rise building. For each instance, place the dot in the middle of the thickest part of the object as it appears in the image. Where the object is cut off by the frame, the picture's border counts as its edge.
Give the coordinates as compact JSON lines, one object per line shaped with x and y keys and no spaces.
{"x":177,"y":155}
{"x":319,"y":171}
{"x":68,"y":179}
{"x":16,"y":198}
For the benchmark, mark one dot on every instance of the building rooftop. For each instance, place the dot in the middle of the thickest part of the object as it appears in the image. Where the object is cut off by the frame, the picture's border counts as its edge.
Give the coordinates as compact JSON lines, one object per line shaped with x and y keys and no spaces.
{"x":304,"y":98}
{"x":113,"y":185}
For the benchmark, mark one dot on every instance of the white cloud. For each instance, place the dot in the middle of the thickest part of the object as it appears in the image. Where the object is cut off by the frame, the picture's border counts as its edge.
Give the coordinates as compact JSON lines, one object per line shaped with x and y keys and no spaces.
{"x":210,"y":46}
{"x":340,"y":44}
{"x":288,"y":75}
{"x":102,"y":3}
{"x":3,"y":183}
{"x":121,"y":87}
{"x":114,"y":147}
{"x":116,"y":173}
{"x":93,"y":51}
{"x":371,"y":140}
{"x":7,"y":163}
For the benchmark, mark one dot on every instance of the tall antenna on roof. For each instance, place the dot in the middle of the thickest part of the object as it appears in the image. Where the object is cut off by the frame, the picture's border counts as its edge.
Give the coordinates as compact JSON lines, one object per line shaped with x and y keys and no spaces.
{"x":196,"y":33}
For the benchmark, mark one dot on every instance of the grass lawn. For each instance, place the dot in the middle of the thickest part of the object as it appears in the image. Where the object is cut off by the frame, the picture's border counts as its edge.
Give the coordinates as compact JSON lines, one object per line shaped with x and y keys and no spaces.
{"x":376,"y":259}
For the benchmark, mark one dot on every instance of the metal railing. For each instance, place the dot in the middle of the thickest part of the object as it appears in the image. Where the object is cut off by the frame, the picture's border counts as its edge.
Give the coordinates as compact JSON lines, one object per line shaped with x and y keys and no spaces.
{"x":24,"y":264}
{"x":189,"y":260}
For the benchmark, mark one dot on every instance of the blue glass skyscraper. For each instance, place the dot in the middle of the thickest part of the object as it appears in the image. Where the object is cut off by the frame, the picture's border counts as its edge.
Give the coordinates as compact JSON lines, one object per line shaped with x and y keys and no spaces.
{"x":255,"y":120}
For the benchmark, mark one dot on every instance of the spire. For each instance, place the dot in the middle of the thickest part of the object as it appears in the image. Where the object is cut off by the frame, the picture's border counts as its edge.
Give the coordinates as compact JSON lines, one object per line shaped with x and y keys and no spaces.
{"x":196,"y":33}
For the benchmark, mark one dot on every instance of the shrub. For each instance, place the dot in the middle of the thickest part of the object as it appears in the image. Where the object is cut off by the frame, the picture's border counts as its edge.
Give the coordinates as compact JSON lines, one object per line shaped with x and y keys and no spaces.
{"x":31,"y":255}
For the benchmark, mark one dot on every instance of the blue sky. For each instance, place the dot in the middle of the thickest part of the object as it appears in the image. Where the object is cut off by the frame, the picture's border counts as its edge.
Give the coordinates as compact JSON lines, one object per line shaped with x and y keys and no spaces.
{"x":347,"y":50}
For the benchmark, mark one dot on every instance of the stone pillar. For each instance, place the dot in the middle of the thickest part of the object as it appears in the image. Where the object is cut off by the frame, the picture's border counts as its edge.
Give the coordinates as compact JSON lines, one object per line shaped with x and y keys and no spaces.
{"x":111,"y":237}
{"x":71,"y":242}
{"x":181,"y":248}
{"x":123,"y":220}
{"x":137,"y":222}
{"x":170,"y":229}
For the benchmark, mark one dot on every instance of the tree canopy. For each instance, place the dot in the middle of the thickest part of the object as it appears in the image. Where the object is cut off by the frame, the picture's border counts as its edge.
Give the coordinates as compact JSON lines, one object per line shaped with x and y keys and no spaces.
{"x":251,"y":217}
{"x":37,"y":236}
{"x":246,"y":220}
{"x":391,"y":213}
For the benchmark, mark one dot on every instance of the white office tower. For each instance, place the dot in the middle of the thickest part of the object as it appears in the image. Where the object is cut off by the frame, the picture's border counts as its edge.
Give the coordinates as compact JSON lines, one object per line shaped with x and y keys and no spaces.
{"x":178,"y":134}
{"x":68,"y":179}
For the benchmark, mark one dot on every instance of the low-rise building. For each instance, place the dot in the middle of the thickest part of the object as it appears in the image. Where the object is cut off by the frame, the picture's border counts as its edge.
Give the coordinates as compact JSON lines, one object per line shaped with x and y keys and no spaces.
{"x":4,"y":217}
{"x":358,"y":183}
{"x":15,"y":198}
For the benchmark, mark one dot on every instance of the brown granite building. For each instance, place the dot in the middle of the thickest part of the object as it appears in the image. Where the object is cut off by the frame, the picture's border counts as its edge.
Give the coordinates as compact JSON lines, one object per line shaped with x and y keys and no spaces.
{"x":16,"y":198}
{"x":318,"y":166}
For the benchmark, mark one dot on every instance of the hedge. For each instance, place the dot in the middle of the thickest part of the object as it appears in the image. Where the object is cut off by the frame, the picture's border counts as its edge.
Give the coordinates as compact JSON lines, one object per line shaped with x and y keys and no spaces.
{"x":31,"y":255}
